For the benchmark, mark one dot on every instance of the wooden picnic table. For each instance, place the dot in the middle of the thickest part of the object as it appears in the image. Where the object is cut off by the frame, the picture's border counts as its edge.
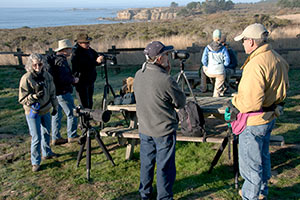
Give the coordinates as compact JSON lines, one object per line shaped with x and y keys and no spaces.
{"x":210,"y":106}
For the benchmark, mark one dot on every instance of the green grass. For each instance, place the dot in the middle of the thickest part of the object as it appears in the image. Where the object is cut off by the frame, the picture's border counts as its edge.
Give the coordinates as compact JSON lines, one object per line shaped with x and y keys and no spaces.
{"x":59,"y":178}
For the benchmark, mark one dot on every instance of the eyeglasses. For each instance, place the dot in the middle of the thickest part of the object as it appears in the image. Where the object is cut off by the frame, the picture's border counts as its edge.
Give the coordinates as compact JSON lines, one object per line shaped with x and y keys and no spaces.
{"x":244,"y":39}
{"x":38,"y":64}
{"x":84,"y":42}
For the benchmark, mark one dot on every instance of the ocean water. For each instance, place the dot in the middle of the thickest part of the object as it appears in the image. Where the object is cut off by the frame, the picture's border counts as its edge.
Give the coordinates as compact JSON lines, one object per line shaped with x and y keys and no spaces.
{"x":11,"y":18}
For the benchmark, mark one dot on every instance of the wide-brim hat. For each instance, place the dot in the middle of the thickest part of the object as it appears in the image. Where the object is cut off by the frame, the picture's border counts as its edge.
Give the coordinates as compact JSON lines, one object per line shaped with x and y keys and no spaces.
{"x":157,"y":48}
{"x":253,"y":31}
{"x":64,"y":44}
{"x":82,"y":37}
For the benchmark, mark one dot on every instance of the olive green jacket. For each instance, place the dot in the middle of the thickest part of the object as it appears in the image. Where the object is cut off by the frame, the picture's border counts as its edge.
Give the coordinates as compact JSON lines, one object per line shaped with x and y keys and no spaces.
{"x":27,"y":93}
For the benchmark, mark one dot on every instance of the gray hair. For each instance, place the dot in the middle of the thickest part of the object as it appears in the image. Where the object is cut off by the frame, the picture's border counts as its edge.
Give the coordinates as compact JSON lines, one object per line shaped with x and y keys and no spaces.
{"x":38,"y":57}
{"x":263,"y":40}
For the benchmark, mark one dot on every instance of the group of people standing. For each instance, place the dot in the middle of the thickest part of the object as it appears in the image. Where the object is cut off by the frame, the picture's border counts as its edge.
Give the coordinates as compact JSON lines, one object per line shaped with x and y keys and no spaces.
{"x":264,"y":84}
{"x":262,"y":88}
{"x":48,"y":83}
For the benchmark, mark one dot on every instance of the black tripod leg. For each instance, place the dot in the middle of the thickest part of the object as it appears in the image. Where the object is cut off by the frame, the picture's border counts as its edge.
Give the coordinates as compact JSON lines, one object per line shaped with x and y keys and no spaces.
{"x":189,"y":86}
{"x":218,"y":155}
{"x":88,"y":156}
{"x":101,"y":144}
{"x":235,"y":162}
{"x":112,"y":91}
{"x":79,"y":155}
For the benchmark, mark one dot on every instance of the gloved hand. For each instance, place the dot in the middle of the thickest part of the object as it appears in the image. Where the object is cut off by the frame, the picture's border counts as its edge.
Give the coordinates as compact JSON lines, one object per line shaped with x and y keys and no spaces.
{"x":227,"y":114}
{"x":54,"y":111}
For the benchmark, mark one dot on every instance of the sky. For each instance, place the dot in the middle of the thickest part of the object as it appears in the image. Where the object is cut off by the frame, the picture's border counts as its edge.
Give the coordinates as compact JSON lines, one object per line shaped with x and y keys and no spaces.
{"x":97,"y":3}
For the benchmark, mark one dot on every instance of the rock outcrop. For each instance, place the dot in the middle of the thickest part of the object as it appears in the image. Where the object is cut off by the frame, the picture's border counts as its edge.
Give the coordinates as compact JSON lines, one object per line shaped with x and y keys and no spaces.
{"x":147,"y":14}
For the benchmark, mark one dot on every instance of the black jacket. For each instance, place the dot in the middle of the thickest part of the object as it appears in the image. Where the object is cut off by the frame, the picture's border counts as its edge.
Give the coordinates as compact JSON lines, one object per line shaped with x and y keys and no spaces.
{"x":62,"y":75}
{"x":84,"y":65}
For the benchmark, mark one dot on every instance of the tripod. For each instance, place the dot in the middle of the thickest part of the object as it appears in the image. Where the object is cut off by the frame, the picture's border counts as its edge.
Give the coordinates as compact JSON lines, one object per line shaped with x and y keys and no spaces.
{"x":183,"y":76}
{"x":85,"y":139}
{"x":235,"y":155}
{"x":107,"y":88}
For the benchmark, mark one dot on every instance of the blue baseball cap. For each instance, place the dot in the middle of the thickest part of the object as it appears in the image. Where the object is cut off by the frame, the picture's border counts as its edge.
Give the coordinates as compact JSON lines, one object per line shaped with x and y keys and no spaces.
{"x":156,"y":48}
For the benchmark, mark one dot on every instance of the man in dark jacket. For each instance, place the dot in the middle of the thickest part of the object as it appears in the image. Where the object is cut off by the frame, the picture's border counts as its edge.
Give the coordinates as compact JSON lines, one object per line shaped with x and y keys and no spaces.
{"x":84,"y":61}
{"x":63,"y":80}
{"x":157,"y":95}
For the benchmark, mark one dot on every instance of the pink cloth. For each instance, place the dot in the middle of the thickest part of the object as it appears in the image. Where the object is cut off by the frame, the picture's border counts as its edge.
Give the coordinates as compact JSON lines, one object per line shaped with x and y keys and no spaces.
{"x":239,"y":125}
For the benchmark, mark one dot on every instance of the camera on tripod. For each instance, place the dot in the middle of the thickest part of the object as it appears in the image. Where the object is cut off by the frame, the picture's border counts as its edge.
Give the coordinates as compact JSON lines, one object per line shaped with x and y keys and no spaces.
{"x":112,"y":59}
{"x":89,"y":114}
{"x":180,"y":54}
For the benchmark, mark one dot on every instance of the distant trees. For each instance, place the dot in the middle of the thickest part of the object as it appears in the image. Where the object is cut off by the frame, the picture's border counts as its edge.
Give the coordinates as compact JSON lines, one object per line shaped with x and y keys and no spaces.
{"x":288,"y":3}
{"x":174,"y":5}
{"x":193,"y":5}
{"x":208,"y":6}
{"x":212,"y":6}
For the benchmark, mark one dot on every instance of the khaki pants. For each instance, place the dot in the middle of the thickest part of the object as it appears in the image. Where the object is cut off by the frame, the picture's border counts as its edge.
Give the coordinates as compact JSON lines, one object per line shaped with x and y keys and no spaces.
{"x":219,"y":83}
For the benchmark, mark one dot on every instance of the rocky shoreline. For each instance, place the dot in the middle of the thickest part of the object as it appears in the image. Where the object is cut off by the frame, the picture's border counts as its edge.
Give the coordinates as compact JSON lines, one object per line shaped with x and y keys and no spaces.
{"x":144,"y":14}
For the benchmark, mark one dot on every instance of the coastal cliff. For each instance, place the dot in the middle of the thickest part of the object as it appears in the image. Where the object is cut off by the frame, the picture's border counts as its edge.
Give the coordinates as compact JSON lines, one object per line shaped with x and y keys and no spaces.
{"x":147,"y":14}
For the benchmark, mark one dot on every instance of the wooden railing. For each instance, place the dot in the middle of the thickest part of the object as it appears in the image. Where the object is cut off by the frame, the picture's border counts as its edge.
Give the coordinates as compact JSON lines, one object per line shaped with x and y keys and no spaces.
{"x":20,"y":54}
{"x":115,"y":51}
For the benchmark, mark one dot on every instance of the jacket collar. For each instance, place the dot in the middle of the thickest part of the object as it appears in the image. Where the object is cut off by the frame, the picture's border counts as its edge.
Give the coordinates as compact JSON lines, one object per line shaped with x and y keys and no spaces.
{"x":259,"y":50}
{"x":155,"y":67}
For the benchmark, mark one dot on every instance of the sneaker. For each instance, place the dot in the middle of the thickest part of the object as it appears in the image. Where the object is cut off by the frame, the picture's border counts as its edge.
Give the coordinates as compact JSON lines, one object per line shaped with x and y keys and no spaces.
{"x":35,"y":168}
{"x":59,"y":141}
{"x":53,"y":155}
{"x":260,"y":197}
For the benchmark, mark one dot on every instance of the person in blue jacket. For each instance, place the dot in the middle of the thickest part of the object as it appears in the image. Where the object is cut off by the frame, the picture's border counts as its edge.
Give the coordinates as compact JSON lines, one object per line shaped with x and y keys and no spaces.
{"x":214,"y":59}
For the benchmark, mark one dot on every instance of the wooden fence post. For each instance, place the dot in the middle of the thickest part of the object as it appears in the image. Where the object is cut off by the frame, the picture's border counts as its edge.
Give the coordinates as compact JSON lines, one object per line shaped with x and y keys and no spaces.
{"x":19,"y":55}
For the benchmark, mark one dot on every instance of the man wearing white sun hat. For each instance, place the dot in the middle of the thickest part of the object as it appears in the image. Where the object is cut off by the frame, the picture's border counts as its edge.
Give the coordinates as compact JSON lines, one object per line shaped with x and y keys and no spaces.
{"x":262,"y":88}
{"x":63,"y":80}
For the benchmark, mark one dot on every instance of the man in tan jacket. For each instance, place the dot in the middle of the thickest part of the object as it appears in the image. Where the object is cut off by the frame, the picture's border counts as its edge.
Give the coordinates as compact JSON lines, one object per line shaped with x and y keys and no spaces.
{"x":263,"y":86}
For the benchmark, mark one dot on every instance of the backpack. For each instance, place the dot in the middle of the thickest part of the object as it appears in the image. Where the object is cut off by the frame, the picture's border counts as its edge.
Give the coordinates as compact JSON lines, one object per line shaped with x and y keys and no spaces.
{"x":128,"y":98}
{"x":192,"y":120}
{"x":126,"y":93}
{"x":50,"y":58}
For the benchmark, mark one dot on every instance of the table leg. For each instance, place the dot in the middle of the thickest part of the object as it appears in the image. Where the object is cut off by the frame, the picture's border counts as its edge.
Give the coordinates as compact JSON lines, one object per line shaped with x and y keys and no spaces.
{"x":130,"y":149}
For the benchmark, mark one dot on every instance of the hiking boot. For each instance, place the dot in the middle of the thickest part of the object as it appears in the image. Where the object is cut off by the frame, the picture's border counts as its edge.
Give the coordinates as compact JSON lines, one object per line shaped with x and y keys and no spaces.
{"x":35,"y":168}
{"x":59,"y":141}
{"x":53,"y":155}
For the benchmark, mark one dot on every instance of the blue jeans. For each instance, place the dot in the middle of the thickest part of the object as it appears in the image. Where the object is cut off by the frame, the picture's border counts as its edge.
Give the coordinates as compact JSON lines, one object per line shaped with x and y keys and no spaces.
{"x":66,"y":103}
{"x":160,"y":150}
{"x":254,"y":159}
{"x":39,"y":129}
